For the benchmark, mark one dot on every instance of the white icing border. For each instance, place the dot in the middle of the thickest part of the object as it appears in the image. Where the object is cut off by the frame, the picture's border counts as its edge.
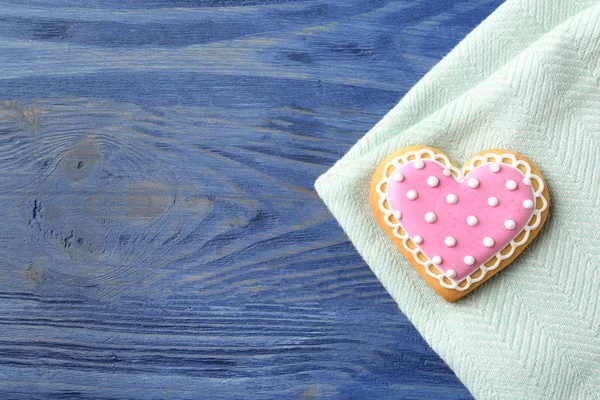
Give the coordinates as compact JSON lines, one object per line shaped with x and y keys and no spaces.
{"x":459,"y":175}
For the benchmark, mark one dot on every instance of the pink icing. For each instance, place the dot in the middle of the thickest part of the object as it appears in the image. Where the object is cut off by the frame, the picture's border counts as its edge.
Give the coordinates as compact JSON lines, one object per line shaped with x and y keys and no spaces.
{"x":451,"y":219}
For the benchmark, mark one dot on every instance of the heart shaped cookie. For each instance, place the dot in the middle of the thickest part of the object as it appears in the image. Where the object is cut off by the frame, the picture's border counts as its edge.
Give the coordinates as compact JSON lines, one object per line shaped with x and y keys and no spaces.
{"x":459,"y":226}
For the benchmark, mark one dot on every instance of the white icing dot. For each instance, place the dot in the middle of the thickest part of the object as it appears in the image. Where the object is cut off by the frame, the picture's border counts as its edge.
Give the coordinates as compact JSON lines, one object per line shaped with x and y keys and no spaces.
{"x":493,"y":201}
{"x":488,"y":242}
{"x":446,"y":172}
{"x":511,"y":185}
{"x":450,"y":241}
{"x":419,"y":164}
{"x":451,"y":273}
{"x":397,"y":214}
{"x":417,"y":239}
{"x":430,"y":217}
{"x":452,"y":198}
{"x":510,"y":224}
{"x":437,"y":260}
{"x":527,"y":181}
{"x":412,"y":194}
{"x":472,"y":220}
{"x":433,"y":181}
{"x":495,"y":167}
{"x":473,"y":183}
{"x":398,"y":176}
{"x":528,"y":204}
{"x":469,"y":260}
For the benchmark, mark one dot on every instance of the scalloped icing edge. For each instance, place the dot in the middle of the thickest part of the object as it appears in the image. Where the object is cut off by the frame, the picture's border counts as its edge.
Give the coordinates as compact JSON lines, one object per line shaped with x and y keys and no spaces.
{"x":460,"y":174}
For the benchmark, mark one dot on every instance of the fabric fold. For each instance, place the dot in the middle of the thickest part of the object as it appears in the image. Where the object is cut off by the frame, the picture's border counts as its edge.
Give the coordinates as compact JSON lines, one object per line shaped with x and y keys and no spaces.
{"x":527,"y":80}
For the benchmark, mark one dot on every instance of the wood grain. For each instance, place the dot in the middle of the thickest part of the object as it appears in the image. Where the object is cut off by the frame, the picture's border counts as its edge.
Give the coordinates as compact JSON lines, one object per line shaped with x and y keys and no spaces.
{"x":161,"y":237}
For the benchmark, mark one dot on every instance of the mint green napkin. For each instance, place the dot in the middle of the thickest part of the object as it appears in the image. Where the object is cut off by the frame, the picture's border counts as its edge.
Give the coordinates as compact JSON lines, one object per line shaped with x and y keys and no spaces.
{"x":527,"y":80}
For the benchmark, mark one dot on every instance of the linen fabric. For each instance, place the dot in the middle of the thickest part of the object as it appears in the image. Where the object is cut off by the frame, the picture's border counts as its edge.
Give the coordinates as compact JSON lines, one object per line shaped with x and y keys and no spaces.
{"x":526,"y":80}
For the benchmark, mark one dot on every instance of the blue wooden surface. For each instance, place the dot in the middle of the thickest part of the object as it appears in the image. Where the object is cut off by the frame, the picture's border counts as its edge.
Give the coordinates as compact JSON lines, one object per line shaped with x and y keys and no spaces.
{"x":160,"y":234}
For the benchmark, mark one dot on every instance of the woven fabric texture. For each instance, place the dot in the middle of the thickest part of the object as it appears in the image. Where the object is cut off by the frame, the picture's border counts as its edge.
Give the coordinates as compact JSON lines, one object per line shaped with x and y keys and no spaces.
{"x":526,"y":80}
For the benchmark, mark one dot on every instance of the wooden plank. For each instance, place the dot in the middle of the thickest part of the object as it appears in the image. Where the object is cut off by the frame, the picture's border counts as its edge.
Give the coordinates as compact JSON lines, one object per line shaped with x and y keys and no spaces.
{"x":161,"y":237}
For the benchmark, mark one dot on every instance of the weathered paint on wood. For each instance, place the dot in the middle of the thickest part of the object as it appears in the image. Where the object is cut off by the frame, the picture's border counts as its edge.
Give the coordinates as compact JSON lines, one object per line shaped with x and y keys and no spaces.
{"x":160,"y":235}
